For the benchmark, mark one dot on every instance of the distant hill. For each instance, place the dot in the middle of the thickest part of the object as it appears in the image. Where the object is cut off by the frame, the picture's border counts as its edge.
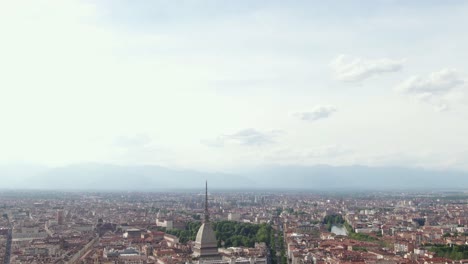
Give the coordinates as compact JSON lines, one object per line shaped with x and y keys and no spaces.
{"x":13,"y":175}
{"x":145,"y":178}
{"x":156,"y":178}
{"x":323,"y":177}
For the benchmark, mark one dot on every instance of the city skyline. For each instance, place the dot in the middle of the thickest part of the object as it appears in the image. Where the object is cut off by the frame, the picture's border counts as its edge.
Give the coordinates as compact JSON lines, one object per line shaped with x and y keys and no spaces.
{"x":328,"y":132}
{"x":244,"y":227}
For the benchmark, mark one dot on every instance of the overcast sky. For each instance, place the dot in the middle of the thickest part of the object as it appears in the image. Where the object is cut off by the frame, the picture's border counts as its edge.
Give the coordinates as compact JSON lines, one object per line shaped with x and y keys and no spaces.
{"x":221,"y":85}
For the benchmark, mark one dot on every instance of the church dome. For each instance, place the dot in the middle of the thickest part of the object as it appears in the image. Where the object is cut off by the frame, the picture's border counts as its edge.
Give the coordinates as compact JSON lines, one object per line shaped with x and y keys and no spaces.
{"x":206,"y":236}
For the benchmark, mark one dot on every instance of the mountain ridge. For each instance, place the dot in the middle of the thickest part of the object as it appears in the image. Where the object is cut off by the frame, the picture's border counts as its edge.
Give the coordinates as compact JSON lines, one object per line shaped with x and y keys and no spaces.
{"x":97,"y":176}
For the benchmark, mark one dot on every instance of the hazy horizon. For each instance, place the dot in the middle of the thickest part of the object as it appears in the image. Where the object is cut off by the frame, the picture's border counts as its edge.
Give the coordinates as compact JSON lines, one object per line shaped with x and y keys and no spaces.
{"x":108,"y":177}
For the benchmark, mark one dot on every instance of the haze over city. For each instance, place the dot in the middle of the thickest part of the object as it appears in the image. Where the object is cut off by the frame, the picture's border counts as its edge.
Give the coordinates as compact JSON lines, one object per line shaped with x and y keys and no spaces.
{"x":233,"y":132}
{"x":234,"y":87}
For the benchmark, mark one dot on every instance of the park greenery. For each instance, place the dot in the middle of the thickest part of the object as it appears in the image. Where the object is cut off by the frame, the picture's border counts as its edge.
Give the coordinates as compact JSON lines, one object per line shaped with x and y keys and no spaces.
{"x":454,"y":252}
{"x":359,"y":236}
{"x":455,"y":234}
{"x":334,"y":219}
{"x":228,"y":233}
{"x":235,"y":234}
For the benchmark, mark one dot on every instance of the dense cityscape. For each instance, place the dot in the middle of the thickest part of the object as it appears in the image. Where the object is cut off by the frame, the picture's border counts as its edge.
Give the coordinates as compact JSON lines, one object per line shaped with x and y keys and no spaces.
{"x":220,"y":226}
{"x":233,"y":132}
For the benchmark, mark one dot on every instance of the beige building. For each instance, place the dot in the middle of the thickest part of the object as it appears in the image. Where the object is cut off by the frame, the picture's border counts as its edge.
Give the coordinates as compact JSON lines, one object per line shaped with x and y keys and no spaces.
{"x":206,"y":245}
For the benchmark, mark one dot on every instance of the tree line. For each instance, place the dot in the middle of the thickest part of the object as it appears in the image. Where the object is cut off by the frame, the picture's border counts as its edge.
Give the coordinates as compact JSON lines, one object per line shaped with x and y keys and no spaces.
{"x":333,"y":219}
{"x":228,"y":233}
{"x":454,"y":252}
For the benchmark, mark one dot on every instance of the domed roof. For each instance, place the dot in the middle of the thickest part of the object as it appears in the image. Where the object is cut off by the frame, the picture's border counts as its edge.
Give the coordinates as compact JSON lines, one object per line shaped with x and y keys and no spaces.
{"x":206,"y":236}
{"x":206,"y":245}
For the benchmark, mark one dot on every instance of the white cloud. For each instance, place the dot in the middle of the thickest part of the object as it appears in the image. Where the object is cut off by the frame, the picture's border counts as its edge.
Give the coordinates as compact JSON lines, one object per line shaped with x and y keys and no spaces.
{"x":318,"y":112}
{"x":348,"y":68}
{"x":326,"y":154}
{"x":245,"y":137}
{"x":436,"y":83}
{"x":441,"y":107}
{"x":329,"y":151}
{"x":139,"y":149}
{"x":436,"y":88}
{"x":139,"y":140}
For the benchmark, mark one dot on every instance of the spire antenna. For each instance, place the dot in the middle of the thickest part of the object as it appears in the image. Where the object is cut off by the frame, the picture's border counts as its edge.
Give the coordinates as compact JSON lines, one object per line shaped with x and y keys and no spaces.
{"x":207,"y":213}
{"x":205,"y":243}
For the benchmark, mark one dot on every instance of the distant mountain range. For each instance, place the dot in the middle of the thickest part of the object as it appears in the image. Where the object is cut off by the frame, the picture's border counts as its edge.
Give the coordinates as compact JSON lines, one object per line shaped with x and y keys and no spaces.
{"x":324,"y":177}
{"x":148,"y":178}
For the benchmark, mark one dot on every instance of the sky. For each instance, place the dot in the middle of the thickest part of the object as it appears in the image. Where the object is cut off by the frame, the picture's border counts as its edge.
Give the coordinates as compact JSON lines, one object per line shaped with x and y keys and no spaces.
{"x":226,"y":85}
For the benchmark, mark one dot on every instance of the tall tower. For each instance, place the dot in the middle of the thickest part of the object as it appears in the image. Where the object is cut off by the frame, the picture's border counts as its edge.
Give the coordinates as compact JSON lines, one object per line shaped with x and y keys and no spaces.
{"x":207,"y":213}
{"x":206,"y":245}
{"x":59,"y":217}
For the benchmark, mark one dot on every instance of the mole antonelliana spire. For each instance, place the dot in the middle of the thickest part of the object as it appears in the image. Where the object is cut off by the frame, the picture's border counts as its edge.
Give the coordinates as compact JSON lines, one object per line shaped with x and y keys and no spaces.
{"x":207,"y":213}
{"x":206,"y":245}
